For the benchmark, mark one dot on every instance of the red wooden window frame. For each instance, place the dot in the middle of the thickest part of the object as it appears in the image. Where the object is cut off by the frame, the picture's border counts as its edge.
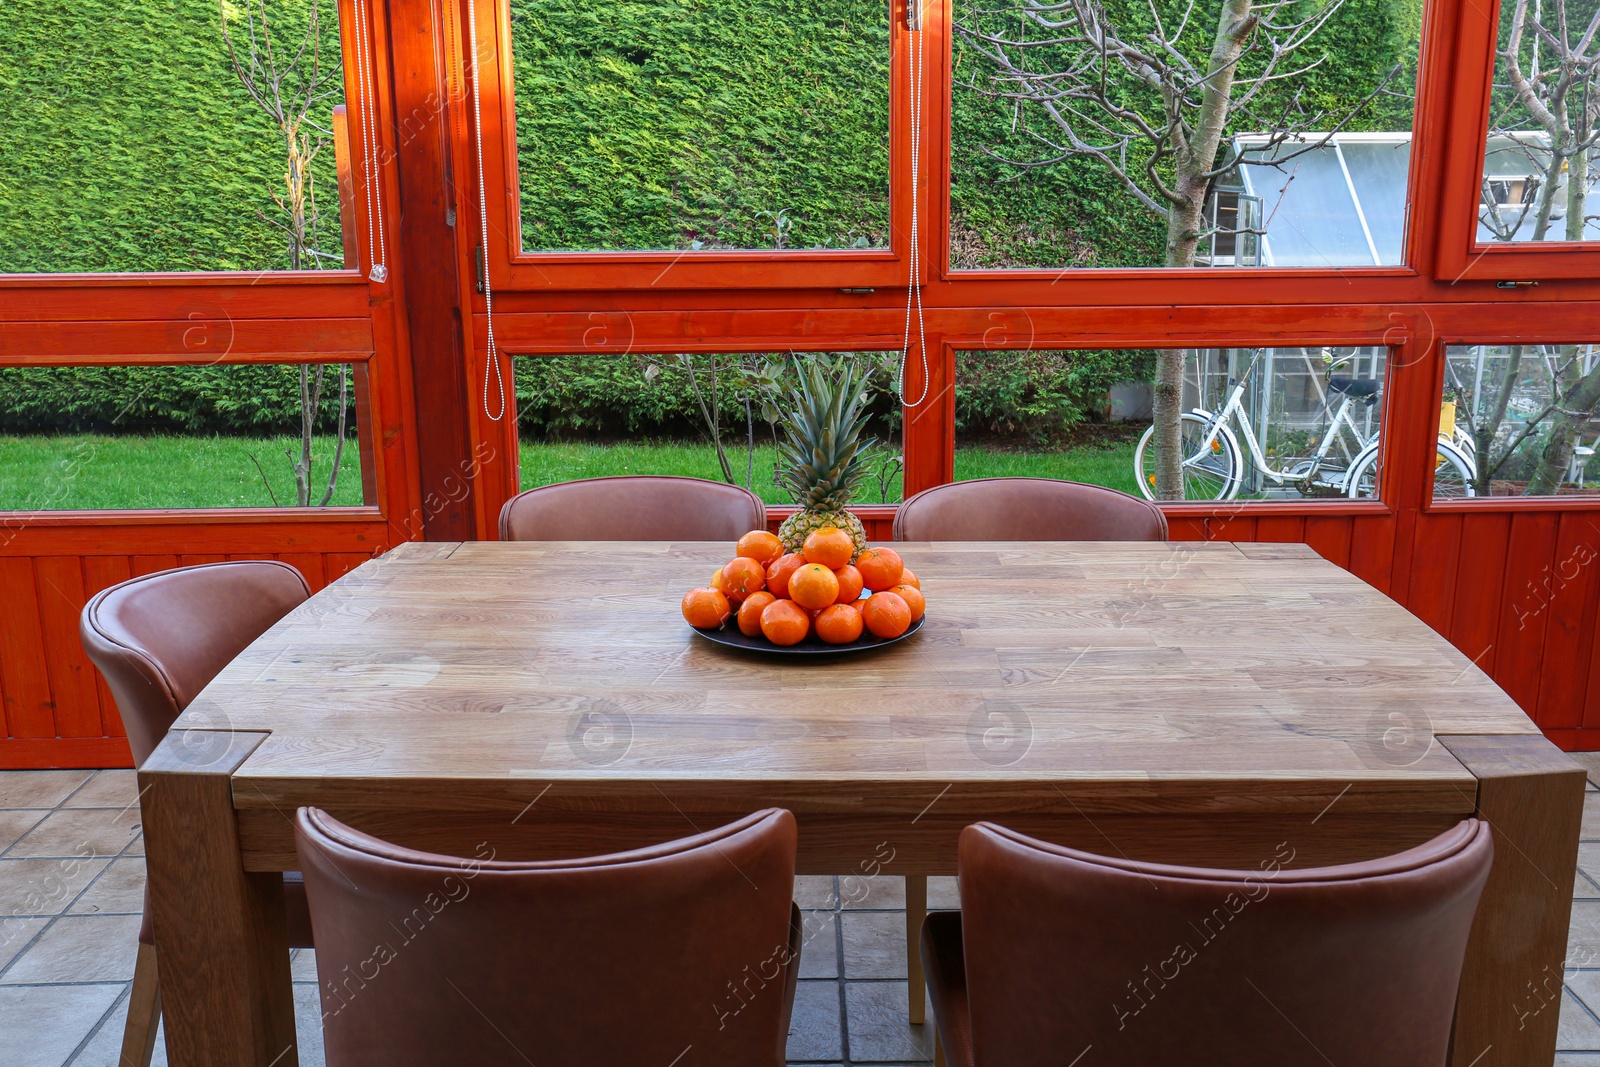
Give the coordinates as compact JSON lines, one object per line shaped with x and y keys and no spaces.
{"x":510,"y":267}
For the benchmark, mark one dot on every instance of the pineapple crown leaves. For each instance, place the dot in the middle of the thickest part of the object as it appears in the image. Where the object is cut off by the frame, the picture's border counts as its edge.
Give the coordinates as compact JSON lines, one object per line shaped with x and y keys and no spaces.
{"x":823,"y":456}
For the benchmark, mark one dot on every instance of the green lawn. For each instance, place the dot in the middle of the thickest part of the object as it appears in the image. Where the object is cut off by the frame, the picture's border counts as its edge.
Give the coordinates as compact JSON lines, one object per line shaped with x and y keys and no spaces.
{"x":91,"y":472}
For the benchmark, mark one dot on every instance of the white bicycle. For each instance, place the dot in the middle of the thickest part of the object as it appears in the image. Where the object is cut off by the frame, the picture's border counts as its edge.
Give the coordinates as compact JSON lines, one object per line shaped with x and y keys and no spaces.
{"x":1214,"y":464}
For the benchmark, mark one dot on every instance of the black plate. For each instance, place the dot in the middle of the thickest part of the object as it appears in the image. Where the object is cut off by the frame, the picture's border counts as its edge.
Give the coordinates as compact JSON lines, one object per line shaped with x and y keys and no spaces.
{"x":733,"y":637}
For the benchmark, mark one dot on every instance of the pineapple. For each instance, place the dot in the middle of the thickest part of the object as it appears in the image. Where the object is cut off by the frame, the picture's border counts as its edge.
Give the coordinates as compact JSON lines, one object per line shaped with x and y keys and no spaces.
{"x":823,"y":458}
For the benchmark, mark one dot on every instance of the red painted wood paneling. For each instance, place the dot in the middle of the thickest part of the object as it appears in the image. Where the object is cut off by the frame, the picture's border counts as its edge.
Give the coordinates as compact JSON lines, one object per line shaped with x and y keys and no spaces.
{"x":29,"y":710}
{"x":1530,"y":558}
{"x":1434,"y":559}
{"x":72,"y":685}
{"x":1569,"y":633}
{"x":1475,"y":618}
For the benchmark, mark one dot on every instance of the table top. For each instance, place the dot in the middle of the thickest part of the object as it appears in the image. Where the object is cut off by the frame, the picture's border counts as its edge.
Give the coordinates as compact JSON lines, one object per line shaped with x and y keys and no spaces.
{"x":1105,"y":673}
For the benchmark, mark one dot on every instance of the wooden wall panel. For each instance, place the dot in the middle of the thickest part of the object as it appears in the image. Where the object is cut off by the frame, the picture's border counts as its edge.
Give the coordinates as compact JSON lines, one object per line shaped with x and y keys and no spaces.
{"x":1480,"y":579}
{"x":29,"y":710}
{"x":1330,"y":536}
{"x":1569,"y":633}
{"x":1530,"y":556}
{"x":1436,"y":553}
{"x":73,"y":693}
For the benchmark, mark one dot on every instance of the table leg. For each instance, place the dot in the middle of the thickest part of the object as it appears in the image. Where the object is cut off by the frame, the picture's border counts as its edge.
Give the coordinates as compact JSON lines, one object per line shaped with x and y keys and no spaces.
{"x":916,"y":911}
{"x":1531,"y":794}
{"x":220,"y":933}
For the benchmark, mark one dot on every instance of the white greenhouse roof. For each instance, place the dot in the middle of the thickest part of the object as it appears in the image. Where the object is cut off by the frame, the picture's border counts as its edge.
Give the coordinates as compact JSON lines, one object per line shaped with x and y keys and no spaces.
{"x":1343,"y":203}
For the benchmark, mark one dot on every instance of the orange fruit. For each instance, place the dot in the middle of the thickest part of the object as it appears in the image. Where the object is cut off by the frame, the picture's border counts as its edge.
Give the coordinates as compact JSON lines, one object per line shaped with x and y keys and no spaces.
{"x":839,"y":624}
{"x":761,"y":546}
{"x":718,"y":582}
{"x":785,"y":623}
{"x":813,"y":586}
{"x":850,"y":584}
{"x":750,"y":612}
{"x":880,"y":568}
{"x":706,"y":609}
{"x":886,"y":615}
{"x":913,"y":598}
{"x":741,"y":577}
{"x":908,"y":578}
{"x":778,"y":574}
{"x":829,"y":546}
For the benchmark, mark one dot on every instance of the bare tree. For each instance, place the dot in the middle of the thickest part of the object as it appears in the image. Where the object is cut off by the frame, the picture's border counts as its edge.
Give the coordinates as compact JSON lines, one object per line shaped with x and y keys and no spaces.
{"x":1153,"y":100}
{"x":1547,"y":124}
{"x":294,"y":87}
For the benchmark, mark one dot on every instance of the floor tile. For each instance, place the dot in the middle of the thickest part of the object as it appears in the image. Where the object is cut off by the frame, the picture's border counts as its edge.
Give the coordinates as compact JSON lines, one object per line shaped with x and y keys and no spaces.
{"x":1585,"y":985}
{"x":15,"y":935}
{"x":38,"y":789}
{"x":1578,"y":1030}
{"x":13,"y":824}
{"x":1591,"y":816}
{"x":79,"y":832}
{"x":303,"y":965}
{"x":1583,"y":936}
{"x":874,"y":944}
{"x":118,"y":891}
{"x":812,"y":891}
{"x":44,"y":887}
{"x":107,"y":789}
{"x":819,"y":951}
{"x":859,"y":891}
{"x":105,"y":1048}
{"x":876,"y":1023}
{"x":44,"y":1025}
{"x":943,"y":894}
{"x":814,"y":1031}
{"x":79,"y":948}
{"x":308,"y":1026}
{"x":1591,"y":764}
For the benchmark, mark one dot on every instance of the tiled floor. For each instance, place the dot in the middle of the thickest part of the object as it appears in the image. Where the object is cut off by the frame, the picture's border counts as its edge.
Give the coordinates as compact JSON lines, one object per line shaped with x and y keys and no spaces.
{"x":71,"y":886}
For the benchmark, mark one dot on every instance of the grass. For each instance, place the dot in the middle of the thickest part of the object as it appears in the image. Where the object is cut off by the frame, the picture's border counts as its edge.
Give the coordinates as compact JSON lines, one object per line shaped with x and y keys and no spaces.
{"x":94,"y":473}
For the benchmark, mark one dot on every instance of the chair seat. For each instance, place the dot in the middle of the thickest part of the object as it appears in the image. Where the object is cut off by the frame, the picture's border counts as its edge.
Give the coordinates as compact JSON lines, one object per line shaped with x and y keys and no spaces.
{"x":295,"y":911}
{"x":945,"y":966}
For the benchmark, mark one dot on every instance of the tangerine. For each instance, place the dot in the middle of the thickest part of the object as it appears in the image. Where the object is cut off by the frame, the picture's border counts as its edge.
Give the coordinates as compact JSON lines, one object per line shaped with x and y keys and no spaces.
{"x":750,"y":612}
{"x":718,"y":582}
{"x":813,"y":586}
{"x":913,"y":598}
{"x":785,"y":623}
{"x":908,"y":578}
{"x":880,"y":568}
{"x":829,"y":546}
{"x":761,"y":546}
{"x":778,"y":574}
{"x":886,"y":615}
{"x":839,"y":624}
{"x":706,"y":609}
{"x":741,"y":577}
{"x":850,"y":584}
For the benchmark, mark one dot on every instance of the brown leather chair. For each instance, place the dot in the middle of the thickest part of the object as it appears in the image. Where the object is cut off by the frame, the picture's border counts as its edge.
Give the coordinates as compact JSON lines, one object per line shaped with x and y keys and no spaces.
{"x":159,"y":639}
{"x":1027,"y":509}
{"x":633,"y":508}
{"x":684,"y":953}
{"x":1055,"y":951}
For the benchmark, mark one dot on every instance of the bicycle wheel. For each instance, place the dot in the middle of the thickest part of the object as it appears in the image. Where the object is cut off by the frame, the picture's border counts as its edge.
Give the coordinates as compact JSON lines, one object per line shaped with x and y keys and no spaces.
{"x":1208,"y":474}
{"x":1452,"y":474}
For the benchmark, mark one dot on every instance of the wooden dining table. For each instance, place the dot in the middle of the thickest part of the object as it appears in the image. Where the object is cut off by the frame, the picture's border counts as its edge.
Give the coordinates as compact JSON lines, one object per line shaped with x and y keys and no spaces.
{"x":1193,"y":703}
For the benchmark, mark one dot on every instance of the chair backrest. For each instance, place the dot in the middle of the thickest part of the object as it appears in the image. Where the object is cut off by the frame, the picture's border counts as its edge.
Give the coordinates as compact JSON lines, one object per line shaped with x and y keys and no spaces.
{"x":681,"y":953}
{"x":160,"y":638}
{"x":1150,"y":964}
{"x":1027,"y":509}
{"x":633,"y":508}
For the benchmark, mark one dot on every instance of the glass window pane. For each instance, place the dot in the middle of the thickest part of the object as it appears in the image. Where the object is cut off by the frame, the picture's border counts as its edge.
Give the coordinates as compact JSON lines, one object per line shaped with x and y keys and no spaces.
{"x":751,"y":124}
{"x":133,"y":144}
{"x":1065,"y":153}
{"x":1540,"y":170}
{"x":1309,"y":207}
{"x":1259,"y":424}
{"x":1525,"y":416}
{"x":715,"y":416}
{"x":1378,"y":172}
{"x":108,"y":438}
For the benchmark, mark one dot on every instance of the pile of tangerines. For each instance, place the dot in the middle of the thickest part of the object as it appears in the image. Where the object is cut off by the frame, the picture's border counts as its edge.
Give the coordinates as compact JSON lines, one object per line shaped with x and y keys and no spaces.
{"x":787,"y":597}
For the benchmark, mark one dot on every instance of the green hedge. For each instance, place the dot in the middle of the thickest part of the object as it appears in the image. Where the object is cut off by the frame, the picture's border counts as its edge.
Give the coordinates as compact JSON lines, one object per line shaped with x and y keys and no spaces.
{"x":130,"y":144}
{"x":241,"y":399}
